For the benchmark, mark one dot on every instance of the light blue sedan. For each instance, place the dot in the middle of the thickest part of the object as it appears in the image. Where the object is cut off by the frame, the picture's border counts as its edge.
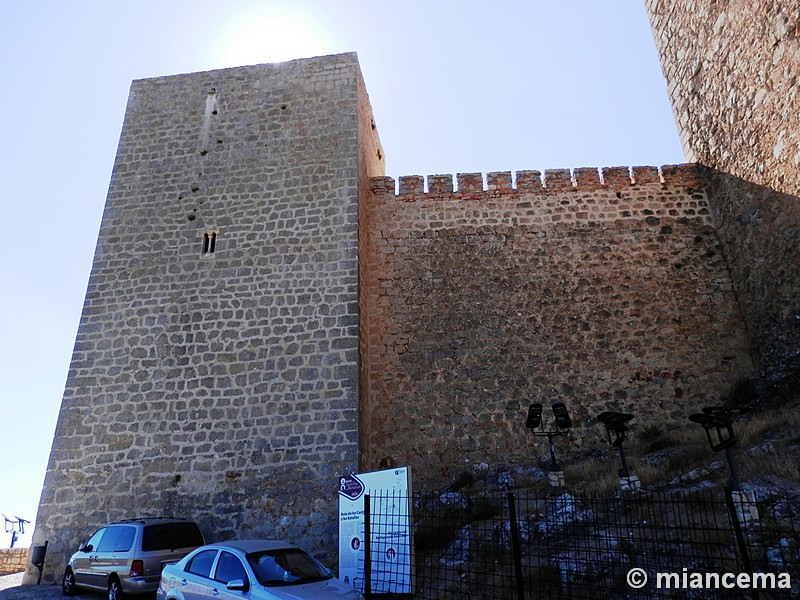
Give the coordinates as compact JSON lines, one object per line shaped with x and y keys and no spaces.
{"x":251,"y":569}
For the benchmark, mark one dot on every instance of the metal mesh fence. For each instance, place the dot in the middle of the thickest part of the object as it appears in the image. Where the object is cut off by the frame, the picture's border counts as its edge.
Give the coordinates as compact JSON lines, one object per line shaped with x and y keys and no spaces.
{"x":552,"y":544}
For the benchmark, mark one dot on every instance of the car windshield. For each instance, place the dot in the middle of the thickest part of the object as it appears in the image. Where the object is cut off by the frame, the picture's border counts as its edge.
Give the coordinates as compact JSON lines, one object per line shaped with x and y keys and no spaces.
{"x":288,"y":566}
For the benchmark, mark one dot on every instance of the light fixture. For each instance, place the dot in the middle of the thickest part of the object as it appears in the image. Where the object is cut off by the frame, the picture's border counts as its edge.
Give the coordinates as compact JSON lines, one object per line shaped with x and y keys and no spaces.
{"x":562,"y":425}
{"x":616,"y":424}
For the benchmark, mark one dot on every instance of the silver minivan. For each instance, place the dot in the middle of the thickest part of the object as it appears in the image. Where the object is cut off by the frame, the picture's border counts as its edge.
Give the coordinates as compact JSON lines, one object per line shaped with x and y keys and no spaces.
{"x":127,"y":557}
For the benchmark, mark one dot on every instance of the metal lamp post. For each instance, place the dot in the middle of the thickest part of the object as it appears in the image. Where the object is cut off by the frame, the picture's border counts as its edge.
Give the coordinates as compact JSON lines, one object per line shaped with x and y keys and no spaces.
{"x":562,"y":425}
{"x":616,"y":425}
{"x":718,"y":424}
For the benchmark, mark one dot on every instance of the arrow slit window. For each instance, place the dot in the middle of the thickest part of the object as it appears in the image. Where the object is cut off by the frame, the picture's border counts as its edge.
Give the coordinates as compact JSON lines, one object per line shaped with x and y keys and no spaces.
{"x":209,"y":242}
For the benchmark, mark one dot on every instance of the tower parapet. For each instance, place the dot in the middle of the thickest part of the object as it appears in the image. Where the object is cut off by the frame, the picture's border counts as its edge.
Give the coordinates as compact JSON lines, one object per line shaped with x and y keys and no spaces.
{"x":498,"y":183}
{"x":563,"y":195}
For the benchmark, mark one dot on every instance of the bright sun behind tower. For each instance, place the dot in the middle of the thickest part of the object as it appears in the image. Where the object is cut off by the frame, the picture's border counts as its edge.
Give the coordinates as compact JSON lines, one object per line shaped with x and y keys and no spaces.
{"x":271,"y":39}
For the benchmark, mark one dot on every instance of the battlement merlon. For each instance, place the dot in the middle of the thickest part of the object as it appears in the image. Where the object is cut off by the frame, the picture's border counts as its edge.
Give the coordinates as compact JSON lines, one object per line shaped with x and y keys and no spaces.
{"x":498,"y":184}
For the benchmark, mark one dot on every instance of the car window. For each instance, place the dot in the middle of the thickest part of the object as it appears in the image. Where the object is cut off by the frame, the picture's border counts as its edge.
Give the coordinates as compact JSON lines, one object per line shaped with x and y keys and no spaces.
{"x":118,"y":538}
{"x":286,"y":567}
{"x":200,"y":564}
{"x":229,"y":568}
{"x":94,"y":541}
{"x":168,"y":536}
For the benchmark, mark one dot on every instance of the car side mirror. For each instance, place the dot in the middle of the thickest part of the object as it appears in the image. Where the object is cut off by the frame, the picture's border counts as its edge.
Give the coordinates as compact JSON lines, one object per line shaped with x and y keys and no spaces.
{"x":238,"y":585}
{"x":85,"y":548}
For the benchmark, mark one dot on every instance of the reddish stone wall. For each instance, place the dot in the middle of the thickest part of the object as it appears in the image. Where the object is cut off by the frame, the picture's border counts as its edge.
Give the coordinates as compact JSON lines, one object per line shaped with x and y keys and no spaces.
{"x":610,"y":295}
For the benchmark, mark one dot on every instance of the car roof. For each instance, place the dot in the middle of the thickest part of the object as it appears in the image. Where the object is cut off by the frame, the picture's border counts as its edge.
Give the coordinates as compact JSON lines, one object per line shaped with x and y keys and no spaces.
{"x":150,"y":521}
{"x":248,"y":546}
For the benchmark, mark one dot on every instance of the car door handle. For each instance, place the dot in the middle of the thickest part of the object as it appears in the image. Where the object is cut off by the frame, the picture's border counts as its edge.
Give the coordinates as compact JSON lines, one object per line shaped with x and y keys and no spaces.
{"x":183,"y":582}
{"x":214,"y":592}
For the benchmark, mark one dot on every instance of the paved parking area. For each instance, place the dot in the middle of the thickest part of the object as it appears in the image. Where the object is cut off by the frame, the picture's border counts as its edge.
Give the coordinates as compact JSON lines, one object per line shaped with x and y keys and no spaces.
{"x":11,"y":588}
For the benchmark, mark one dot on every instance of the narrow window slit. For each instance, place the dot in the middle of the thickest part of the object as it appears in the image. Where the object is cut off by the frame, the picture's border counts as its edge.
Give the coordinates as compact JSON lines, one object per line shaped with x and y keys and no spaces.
{"x":209,"y":242}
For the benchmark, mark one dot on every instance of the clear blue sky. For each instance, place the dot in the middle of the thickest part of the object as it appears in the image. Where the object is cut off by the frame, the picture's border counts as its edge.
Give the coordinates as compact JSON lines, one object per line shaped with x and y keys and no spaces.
{"x":461,"y":86}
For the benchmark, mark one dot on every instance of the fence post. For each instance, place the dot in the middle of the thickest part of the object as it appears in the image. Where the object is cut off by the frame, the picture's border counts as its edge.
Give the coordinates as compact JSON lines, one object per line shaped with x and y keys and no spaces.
{"x":516,"y":550}
{"x":737,"y":529}
{"x":367,"y":549}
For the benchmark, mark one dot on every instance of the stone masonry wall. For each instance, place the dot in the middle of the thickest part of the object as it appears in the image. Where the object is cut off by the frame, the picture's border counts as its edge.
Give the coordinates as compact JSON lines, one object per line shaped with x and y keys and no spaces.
{"x":372,"y":163}
{"x":732,"y":73}
{"x":220,"y":386}
{"x":13,"y":560}
{"x":760,"y":233}
{"x":609,"y":295}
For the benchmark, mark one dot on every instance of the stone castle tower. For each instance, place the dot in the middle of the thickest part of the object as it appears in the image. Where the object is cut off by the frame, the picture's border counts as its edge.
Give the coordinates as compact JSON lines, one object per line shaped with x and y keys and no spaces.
{"x":266,"y":311}
{"x":215,"y":370}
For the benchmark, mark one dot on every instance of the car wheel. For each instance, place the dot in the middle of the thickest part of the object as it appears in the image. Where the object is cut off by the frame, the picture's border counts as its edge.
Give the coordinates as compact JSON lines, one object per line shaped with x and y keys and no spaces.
{"x":115,"y":590}
{"x":68,"y":587}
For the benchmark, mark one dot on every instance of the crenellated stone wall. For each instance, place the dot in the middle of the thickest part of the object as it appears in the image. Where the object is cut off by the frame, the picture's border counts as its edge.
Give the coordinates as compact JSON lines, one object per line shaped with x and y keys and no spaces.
{"x":266,"y":311}
{"x":607,"y":294}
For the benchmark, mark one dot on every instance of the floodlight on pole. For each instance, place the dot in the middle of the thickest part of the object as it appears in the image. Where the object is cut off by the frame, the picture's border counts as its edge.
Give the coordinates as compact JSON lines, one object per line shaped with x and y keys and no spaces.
{"x":562,"y":425}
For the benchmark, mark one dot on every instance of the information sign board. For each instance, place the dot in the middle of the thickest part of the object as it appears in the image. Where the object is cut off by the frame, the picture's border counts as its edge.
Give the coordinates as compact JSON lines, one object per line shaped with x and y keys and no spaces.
{"x":390,"y":530}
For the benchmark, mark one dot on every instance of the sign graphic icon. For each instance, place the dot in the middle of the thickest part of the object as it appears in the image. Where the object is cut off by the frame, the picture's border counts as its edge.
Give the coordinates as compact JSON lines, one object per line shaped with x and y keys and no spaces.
{"x":351,"y":487}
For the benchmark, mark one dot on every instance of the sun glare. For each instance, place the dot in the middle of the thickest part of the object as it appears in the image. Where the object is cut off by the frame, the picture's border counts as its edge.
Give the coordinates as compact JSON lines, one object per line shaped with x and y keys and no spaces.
{"x":271,"y":39}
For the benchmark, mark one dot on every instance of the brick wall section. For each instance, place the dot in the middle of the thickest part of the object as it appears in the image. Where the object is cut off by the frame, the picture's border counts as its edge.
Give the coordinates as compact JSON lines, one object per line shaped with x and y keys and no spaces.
{"x":13,"y":560}
{"x":760,"y":231}
{"x":609,"y":295}
{"x":731,"y":70}
{"x":220,"y":387}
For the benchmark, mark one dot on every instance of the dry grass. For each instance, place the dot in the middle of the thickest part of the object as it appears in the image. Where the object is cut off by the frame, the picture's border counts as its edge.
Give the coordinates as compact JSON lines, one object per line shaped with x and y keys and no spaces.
{"x":769,"y":445}
{"x":787,"y":467}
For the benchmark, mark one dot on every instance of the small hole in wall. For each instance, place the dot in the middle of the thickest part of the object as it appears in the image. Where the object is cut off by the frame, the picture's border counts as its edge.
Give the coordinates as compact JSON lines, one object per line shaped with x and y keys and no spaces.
{"x":283,"y":107}
{"x":191,"y":216}
{"x":380,"y":156}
